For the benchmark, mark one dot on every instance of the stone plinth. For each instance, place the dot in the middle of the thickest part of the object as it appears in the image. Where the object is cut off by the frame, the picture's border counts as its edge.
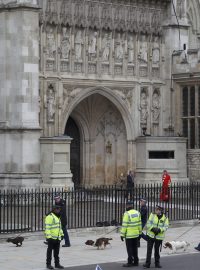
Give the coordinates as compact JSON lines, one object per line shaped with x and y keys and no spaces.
{"x":55,"y":162}
{"x":154,"y":154}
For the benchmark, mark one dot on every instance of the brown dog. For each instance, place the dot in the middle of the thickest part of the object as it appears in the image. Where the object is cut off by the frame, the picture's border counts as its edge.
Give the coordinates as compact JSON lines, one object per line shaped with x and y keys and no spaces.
{"x":100,"y":243}
{"x":16,"y":241}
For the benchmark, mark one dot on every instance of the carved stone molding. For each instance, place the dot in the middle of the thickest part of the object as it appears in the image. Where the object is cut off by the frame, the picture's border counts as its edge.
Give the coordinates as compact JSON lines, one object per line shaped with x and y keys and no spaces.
{"x":69,"y":93}
{"x":116,"y":15}
{"x":126,"y":96}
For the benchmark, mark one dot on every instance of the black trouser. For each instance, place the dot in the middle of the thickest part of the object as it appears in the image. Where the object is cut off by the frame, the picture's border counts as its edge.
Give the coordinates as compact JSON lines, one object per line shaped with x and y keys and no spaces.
{"x":53,"y":245}
{"x":156,"y":243}
{"x":66,"y":235}
{"x":132,"y":250}
{"x":143,"y":236}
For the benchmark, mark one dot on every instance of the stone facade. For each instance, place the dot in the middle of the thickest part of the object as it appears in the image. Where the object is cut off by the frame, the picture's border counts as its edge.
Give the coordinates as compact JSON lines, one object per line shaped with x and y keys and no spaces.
{"x":105,"y":64}
{"x":19,"y":77}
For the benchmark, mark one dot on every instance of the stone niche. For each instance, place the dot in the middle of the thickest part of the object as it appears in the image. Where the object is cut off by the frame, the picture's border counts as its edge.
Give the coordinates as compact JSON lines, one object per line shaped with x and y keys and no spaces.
{"x":55,"y":162}
{"x":154,"y":154}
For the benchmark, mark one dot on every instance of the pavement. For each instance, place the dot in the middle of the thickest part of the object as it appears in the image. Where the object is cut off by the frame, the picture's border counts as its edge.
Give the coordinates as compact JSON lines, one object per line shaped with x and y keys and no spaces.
{"x":32,"y":254}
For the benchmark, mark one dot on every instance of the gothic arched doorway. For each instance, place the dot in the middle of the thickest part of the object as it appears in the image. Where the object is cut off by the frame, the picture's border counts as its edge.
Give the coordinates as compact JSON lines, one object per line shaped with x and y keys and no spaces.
{"x":101,"y":144}
{"x":72,"y":130}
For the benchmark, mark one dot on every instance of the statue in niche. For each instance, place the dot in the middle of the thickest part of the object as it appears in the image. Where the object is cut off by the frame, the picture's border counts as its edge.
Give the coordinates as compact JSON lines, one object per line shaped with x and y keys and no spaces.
{"x":105,"y":47}
{"x":198,"y":55}
{"x":143,"y":50}
{"x":92,"y":48}
{"x":130,"y":50}
{"x":156,"y":51}
{"x":119,"y":50}
{"x":155,"y":107}
{"x":51,"y":104}
{"x":143,"y":109}
{"x":142,"y":18}
{"x":65,"y":44}
{"x":78,"y":45}
{"x":51,"y":43}
{"x":180,"y":8}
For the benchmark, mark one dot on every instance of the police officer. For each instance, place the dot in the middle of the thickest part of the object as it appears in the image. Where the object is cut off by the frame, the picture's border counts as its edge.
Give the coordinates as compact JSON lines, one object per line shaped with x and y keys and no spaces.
{"x":54,"y":234}
{"x":157,"y":224}
{"x":130,"y":231}
{"x":143,"y":212}
{"x":63,"y":217}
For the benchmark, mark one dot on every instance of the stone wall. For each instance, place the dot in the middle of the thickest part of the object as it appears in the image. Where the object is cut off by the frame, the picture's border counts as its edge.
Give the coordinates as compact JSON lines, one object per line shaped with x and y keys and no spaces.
{"x":193,"y":157}
{"x":19,"y":77}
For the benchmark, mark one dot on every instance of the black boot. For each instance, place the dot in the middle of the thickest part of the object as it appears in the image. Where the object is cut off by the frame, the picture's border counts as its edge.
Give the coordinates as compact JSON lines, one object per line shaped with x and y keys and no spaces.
{"x":146,"y":265}
{"x":49,"y":266}
{"x":127,"y":265}
{"x":157,"y":265}
{"x":59,"y":266}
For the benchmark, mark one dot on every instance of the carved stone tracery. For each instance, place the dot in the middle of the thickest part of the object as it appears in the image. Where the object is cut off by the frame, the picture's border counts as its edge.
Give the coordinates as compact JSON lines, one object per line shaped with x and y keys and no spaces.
{"x":118,"y":15}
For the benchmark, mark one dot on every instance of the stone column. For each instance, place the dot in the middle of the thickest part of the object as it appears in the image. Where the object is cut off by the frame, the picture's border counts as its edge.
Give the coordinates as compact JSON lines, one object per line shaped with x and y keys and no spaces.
{"x":19,"y":99}
{"x":55,"y":162}
{"x":178,"y":32}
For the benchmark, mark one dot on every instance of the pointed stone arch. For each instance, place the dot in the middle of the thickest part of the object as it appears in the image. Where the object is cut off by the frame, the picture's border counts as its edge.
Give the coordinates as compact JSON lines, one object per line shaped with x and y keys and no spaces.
{"x":116,"y":99}
{"x":107,"y":140}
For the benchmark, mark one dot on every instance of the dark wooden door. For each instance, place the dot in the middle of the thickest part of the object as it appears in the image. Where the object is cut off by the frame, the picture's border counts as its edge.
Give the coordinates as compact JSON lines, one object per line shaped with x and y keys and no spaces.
{"x":72,"y":130}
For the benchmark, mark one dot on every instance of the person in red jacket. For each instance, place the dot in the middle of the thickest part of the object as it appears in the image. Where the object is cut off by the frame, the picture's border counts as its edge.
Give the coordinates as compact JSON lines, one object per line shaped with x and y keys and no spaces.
{"x":166,"y":182}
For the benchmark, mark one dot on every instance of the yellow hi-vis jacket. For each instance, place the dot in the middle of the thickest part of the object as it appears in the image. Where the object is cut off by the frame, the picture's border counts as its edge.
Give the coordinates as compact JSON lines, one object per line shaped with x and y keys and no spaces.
{"x":154,"y":221}
{"x":131,"y":224}
{"x":53,"y":228}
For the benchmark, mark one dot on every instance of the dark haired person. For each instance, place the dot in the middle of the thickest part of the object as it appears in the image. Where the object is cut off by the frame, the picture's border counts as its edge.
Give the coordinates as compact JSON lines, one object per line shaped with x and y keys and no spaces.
{"x":54,"y":235}
{"x":62,"y":203}
{"x":130,"y":231}
{"x":157,"y":225}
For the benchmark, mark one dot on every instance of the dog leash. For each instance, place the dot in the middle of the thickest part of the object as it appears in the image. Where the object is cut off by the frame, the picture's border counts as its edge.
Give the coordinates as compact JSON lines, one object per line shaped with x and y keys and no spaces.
{"x":117,"y":227}
{"x":185,"y":232}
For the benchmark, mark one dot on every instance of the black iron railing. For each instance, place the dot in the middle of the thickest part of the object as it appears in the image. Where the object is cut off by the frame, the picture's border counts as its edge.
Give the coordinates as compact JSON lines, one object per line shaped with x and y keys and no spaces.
{"x":91,"y":206}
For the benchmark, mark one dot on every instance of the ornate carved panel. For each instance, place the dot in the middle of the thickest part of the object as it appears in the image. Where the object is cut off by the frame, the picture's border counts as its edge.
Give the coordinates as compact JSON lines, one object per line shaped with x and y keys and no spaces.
{"x":101,"y":38}
{"x":116,"y":15}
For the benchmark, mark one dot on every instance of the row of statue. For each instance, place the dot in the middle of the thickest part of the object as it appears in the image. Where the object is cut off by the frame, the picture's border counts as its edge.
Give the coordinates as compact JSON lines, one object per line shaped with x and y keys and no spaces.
{"x":122,"y":46}
{"x":144,"y":108}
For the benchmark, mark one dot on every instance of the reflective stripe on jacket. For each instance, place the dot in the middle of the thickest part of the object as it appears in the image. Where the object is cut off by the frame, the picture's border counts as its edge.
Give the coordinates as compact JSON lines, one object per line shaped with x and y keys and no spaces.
{"x":131,"y":224}
{"x":53,"y":228}
{"x":154,"y":221}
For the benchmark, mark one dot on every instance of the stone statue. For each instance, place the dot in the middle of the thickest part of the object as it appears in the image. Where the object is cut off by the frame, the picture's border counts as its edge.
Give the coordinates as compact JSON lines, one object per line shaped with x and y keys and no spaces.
{"x":119,"y":50}
{"x":156,"y":52}
{"x":180,"y":8}
{"x":198,"y":55}
{"x":92,"y":48}
{"x":143,"y":109}
{"x":143,"y":50}
{"x":65,"y":44}
{"x":130,"y":50}
{"x":155,"y":107}
{"x":78,"y":45}
{"x":105,"y":47}
{"x":51,"y":44}
{"x":51,"y":104}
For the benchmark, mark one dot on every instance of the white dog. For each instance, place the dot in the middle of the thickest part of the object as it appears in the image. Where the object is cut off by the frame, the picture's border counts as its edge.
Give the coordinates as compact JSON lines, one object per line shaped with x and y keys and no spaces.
{"x":176,"y":245}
